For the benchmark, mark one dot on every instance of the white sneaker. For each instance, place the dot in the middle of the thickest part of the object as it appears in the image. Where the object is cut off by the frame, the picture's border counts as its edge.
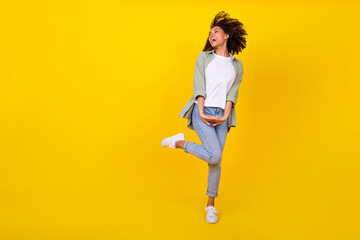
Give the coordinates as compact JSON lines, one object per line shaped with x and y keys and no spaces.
{"x":211,"y":214}
{"x":170,"y":141}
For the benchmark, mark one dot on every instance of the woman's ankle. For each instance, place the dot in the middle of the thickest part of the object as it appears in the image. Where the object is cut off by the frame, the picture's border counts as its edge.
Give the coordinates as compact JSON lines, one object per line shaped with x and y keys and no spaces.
{"x":211,"y":201}
{"x":180,"y":144}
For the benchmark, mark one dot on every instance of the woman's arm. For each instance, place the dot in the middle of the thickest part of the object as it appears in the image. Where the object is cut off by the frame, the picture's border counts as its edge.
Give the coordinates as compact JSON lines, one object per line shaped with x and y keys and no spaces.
{"x":200,"y":101}
{"x":199,"y":77}
{"x":227,"y":109}
{"x":205,"y":118}
{"x":220,"y":120}
{"x":232,"y":95}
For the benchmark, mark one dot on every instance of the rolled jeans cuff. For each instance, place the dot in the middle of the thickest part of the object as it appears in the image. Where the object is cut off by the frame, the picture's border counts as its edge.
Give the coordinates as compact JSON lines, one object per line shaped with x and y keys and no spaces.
{"x":185,"y":147}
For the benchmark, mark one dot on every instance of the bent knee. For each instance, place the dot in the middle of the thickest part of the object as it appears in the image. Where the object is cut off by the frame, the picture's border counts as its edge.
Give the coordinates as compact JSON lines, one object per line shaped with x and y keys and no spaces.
{"x":215,"y":158}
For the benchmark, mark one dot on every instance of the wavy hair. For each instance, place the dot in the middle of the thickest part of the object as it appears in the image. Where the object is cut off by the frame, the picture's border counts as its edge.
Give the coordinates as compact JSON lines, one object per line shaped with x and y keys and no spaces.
{"x":236,"y":41}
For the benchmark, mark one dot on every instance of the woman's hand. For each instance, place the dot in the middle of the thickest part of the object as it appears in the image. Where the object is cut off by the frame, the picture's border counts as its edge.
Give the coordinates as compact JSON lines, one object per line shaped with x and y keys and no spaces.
{"x":218,"y":120}
{"x":206,"y":118}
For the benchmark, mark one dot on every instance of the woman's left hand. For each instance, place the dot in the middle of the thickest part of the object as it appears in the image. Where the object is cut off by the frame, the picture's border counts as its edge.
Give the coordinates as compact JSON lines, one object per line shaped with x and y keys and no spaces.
{"x":218,"y":120}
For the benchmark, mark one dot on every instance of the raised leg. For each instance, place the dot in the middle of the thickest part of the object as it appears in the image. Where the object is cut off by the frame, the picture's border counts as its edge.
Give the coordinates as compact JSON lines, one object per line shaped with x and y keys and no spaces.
{"x":210,"y":149}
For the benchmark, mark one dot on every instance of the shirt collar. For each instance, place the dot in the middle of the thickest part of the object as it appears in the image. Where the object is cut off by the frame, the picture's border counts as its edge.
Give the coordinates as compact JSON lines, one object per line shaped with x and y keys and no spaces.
{"x":231,"y":56}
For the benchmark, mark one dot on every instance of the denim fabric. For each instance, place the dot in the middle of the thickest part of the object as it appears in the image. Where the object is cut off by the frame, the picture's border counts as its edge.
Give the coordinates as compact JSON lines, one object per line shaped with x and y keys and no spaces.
{"x":213,"y":142}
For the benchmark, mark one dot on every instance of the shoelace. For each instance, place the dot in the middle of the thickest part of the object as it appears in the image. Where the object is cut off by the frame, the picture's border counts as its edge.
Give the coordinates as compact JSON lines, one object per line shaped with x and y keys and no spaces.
{"x":212,"y":211}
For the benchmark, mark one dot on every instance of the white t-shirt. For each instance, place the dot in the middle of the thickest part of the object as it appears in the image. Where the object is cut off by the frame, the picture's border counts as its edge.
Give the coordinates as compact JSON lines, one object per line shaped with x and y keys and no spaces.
{"x":219,"y":75}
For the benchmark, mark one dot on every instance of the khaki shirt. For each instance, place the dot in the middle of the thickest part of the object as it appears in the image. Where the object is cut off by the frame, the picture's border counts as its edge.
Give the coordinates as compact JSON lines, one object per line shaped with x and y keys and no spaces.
{"x":199,"y":89}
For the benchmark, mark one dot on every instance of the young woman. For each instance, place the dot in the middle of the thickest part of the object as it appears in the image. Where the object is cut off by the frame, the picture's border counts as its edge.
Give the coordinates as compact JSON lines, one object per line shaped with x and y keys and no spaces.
{"x":210,"y":111}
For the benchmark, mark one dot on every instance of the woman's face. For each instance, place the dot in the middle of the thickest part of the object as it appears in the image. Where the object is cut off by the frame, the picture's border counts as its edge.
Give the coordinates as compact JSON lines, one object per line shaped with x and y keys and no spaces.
{"x":217,"y":37}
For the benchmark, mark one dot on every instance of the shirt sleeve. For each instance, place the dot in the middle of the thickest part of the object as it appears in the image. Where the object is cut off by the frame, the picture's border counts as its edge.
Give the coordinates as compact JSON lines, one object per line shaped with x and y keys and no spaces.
{"x":234,"y":90}
{"x":199,"y":78}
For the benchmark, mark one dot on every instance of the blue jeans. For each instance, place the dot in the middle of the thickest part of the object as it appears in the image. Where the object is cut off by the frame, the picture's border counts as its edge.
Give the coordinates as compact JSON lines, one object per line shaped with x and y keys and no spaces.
{"x":213,"y":142}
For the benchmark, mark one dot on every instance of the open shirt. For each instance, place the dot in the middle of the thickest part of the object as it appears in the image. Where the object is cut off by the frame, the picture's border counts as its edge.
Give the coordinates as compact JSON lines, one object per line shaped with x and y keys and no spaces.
{"x":199,"y":89}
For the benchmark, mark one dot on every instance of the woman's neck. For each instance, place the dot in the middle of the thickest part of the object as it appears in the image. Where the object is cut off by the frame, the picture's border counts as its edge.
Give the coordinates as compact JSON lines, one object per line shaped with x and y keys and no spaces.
{"x":222,"y":52}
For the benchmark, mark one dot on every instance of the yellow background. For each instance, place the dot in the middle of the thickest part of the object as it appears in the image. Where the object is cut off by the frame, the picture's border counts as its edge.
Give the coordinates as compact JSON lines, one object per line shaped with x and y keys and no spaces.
{"x":89,"y":89}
